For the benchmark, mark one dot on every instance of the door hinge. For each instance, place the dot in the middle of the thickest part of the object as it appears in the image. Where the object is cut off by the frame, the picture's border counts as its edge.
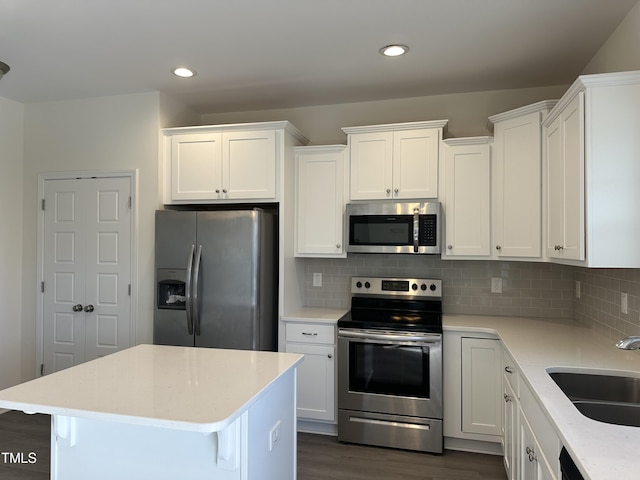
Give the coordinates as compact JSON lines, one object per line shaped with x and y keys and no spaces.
{"x":129,"y":289}
{"x":42,"y":204}
{"x":42,"y":287}
{"x":130,"y":202}
{"x":41,"y":369}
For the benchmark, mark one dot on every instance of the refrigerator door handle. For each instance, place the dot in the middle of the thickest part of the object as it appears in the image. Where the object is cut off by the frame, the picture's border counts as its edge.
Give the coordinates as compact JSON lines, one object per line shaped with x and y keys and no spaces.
{"x":187,"y":289}
{"x":196,"y":282}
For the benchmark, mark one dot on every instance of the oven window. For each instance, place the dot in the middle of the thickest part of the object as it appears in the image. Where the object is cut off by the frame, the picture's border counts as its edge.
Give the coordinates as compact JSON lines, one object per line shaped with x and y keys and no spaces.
{"x":389,"y":369}
{"x":380,"y":230}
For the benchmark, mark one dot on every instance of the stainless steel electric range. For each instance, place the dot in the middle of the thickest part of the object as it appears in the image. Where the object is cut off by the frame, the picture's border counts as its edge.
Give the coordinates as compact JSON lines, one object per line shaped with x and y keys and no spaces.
{"x":390,"y":364}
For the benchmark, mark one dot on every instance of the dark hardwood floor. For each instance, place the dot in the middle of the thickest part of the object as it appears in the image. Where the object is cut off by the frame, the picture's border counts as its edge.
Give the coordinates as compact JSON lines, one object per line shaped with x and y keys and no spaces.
{"x":324,"y":458}
{"x":24,"y":438}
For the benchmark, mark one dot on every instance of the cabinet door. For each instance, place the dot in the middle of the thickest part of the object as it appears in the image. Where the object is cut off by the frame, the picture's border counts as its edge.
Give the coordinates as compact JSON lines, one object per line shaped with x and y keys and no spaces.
{"x":320,"y":201}
{"x":415,"y":163}
{"x":467,"y":200}
{"x":481,"y":386}
{"x":518,"y":187}
{"x":315,"y":382}
{"x":249,"y":165}
{"x":555,"y":188}
{"x":196,"y":166}
{"x":573,"y":145}
{"x":532,"y":463}
{"x":510,"y":429}
{"x":371,"y":165}
{"x":564,"y":153}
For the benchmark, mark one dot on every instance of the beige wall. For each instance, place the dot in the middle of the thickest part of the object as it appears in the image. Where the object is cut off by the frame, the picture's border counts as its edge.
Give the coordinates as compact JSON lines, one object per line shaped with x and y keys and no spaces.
{"x":110,"y":133}
{"x":11,"y":140}
{"x":467,"y":112}
{"x":621,"y":52}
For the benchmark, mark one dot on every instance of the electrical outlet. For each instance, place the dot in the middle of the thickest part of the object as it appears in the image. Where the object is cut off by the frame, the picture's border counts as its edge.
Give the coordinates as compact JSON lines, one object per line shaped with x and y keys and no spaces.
{"x":577,"y":288}
{"x":496,"y":285}
{"x":317,"y":279}
{"x":624,"y":306}
{"x":274,"y":435}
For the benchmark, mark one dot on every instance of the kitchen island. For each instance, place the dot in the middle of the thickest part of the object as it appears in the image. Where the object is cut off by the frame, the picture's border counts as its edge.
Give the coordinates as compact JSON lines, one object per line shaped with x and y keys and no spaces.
{"x":163,"y":412}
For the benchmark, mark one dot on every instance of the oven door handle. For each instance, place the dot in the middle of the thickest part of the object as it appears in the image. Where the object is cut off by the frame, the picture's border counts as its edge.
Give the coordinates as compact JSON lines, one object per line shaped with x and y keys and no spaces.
{"x":389,"y":337}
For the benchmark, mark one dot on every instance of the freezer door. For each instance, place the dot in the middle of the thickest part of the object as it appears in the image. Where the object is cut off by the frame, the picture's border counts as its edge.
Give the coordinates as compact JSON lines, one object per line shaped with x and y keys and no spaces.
{"x":236,"y":306}
{"x":175,"y":241}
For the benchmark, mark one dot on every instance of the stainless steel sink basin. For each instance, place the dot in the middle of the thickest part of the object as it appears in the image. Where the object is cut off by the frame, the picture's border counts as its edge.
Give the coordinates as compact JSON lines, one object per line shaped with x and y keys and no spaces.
{"x":607,"y":412}
{"x":605,"y":398}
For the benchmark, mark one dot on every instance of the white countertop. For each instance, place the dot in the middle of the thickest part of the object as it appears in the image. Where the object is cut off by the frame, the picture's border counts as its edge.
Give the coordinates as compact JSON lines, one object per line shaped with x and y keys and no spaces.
{"x":184,"y":388}
{"x":602,"y":451}
{"x":315,"y":314}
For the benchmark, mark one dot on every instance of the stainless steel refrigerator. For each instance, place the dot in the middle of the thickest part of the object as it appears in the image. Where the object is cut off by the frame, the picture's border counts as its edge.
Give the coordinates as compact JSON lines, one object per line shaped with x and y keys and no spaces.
{"x":216,"y":279}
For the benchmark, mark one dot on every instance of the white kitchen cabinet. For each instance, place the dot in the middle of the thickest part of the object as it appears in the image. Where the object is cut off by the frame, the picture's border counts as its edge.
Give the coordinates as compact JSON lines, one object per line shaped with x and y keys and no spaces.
{"x":467,"y":197}
{"x":564,"y":141}
{"x":592,"y":173}
{"x":226,"y":163}
{"x":321,"y":180}
{"x":317,"y":374}
{"x":481,"y":386}
{"x":517,"y":182}
{"x":510,"y":444}
{"x":533,"y":464}
{"x":394,"y":161}
{"x":472,"y":391}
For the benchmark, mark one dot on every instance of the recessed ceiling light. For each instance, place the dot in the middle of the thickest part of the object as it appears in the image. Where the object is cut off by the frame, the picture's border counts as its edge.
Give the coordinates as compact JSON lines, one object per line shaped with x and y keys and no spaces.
{"x":184,"y":72}
{"x":4,"y":68}
{"x":394,"y":50}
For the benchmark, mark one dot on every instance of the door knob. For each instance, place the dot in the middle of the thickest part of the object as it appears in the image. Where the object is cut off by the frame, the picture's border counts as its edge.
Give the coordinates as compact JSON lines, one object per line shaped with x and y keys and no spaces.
{"x":77,"y":308}
{"x":88,"y":308}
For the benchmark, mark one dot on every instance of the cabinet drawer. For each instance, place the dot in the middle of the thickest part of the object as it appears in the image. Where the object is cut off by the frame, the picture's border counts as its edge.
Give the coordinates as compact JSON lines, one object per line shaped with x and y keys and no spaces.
{"x":310,"y":333}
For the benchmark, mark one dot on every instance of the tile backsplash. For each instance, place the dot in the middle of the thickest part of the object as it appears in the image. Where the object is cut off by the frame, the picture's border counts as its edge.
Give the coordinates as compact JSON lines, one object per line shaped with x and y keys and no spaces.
{"x":600,"y":306}
{"x":528,"y":289}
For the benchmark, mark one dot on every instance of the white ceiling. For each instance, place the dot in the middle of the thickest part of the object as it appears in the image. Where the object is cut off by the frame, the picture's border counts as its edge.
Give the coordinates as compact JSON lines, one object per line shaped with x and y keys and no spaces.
{"x":263,"y":54}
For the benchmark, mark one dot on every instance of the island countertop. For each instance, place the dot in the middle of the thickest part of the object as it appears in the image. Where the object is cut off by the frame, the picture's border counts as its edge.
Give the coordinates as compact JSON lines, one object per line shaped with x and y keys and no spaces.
{"x":183,"y":388}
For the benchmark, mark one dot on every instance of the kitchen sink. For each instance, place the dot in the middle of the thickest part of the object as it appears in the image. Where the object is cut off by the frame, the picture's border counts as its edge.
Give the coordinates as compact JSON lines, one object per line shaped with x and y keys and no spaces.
{"x":605,"y":398}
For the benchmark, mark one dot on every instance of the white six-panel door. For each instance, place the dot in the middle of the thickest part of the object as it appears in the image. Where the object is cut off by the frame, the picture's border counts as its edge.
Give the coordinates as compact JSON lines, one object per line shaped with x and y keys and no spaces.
{"x":87,"y":269}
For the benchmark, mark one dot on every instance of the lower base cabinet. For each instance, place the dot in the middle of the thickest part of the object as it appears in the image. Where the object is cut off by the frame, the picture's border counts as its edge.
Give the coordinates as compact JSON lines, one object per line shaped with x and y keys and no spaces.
{"x":317,"y":373}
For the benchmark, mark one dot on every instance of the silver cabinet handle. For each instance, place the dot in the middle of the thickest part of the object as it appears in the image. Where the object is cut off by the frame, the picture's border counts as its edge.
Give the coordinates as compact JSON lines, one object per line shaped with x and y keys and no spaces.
{"x":508,"y":369}
{"x":531,"y":454}
{"x":337,"y":245}
{"x":388,"y":191}
{"x":395,"y":190}
{"x":217,"y":190}
{"x":88,"y":308}
{"x":77,"y":308}
{"x":329,"y":356}
{"x":310,"y":334}
{"x":498,"y":247}
{"x":224,"y":190}
{"x":507,"y":398}
{"x":450,"y":247}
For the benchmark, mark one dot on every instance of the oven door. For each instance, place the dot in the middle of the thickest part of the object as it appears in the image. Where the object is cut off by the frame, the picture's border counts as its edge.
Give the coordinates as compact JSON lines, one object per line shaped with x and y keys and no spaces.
{"x":397,"y":373}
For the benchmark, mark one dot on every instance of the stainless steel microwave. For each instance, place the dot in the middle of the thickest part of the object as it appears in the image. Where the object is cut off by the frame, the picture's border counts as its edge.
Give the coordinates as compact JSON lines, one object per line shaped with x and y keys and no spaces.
{"x":394,"y":227}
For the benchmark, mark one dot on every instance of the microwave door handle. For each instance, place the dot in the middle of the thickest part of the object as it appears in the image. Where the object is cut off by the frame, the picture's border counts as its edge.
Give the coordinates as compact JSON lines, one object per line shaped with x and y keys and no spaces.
{"x":416,"y":230}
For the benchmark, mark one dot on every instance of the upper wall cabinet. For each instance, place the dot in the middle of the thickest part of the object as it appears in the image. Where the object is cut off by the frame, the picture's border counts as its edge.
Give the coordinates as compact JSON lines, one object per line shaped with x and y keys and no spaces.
{"x":223,"y":163}
{"x":467,"y":197}
{"x":592,"y":173}
{"x":321,"y":178}
{"x":395,"y":161}
{"x":517,"y":181}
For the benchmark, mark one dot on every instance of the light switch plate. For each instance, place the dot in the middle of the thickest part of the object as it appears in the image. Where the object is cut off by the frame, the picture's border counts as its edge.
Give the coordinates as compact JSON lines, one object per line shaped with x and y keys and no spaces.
{"x":496,"y":285}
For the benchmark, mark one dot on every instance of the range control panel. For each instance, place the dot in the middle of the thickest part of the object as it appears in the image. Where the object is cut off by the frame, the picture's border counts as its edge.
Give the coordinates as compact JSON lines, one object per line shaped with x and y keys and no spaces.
{"x":410,"y":287}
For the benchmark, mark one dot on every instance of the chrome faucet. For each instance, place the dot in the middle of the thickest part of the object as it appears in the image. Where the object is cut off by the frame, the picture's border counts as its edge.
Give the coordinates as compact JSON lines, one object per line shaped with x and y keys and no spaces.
{"x":629,"y":343}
